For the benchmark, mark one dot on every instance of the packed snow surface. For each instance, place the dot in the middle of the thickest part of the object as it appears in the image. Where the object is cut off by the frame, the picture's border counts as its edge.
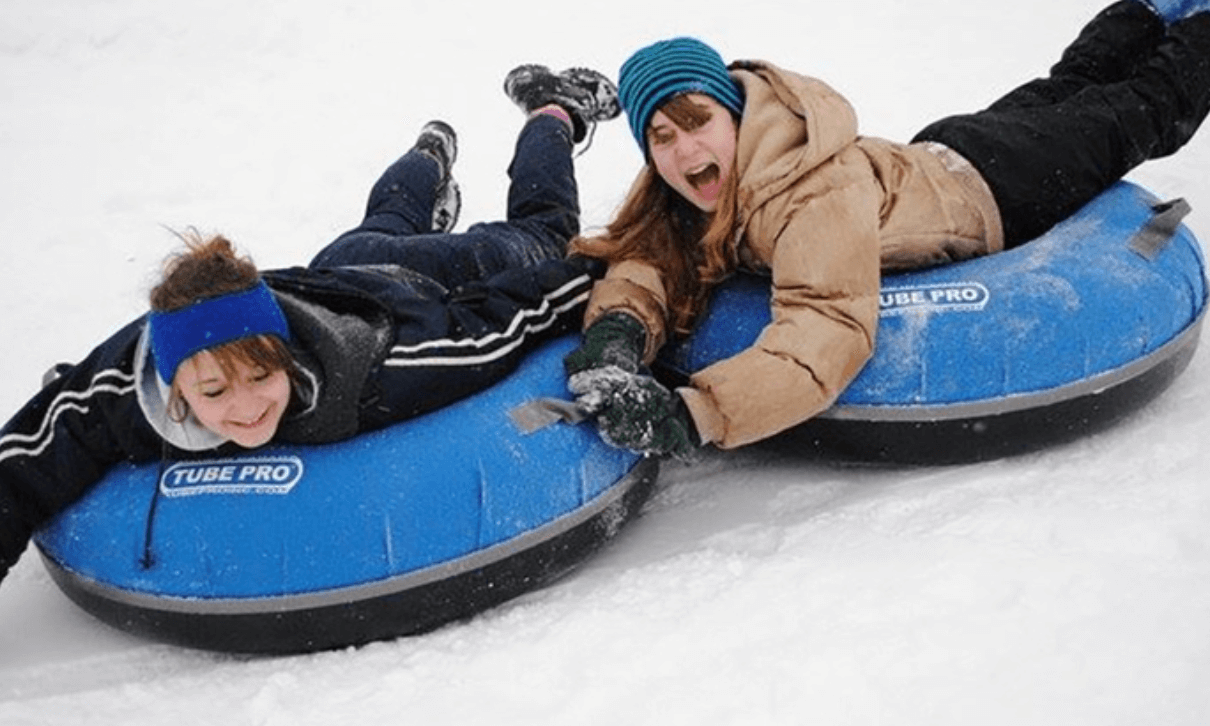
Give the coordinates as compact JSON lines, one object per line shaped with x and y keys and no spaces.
{"x":1071,"y":586}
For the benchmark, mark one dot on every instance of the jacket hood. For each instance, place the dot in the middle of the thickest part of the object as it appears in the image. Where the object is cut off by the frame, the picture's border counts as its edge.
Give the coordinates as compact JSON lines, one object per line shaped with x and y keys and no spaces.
{"x":153,"y":395}
{"x":791,"y":124}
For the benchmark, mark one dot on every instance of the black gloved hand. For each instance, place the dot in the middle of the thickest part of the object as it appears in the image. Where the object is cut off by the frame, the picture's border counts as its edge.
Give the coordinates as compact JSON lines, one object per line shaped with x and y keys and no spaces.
{"x":635,"y":412}
{"x":615,"y":339}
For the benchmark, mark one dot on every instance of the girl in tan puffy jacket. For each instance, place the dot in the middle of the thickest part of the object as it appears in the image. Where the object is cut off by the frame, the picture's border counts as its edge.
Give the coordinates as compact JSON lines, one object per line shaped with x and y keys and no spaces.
{"x":753,"y":166}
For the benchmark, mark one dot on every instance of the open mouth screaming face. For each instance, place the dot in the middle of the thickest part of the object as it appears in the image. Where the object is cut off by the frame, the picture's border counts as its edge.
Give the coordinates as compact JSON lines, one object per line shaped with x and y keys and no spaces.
{"x":706,"y":180}
{"x":692,"y":140}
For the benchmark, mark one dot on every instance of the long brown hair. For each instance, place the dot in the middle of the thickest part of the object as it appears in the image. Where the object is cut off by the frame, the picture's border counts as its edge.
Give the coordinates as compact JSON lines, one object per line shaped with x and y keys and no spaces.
{"x":210,"y":267}
{"x":693,"y":251}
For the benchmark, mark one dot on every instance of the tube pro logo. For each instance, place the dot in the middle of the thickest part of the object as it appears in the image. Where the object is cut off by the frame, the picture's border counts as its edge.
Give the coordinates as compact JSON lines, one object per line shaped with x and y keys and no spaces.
{"x":951,"y":297}
{"x":260,"y":475}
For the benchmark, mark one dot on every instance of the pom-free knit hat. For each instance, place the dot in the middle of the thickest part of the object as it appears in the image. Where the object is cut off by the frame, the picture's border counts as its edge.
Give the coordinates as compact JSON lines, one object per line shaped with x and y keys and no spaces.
{"x":667,"y":68}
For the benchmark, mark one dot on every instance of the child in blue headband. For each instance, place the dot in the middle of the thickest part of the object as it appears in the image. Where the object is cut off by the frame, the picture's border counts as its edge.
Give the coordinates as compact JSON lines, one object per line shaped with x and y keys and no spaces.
{"x":222,"y":361}
{"x":396,"y":317}
{"x":753,"y":165}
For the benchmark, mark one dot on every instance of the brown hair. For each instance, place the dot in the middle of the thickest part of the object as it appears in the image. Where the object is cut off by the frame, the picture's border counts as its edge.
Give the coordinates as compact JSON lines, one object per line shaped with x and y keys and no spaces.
{"x":693,"y":251}
{"x":206,"y":268}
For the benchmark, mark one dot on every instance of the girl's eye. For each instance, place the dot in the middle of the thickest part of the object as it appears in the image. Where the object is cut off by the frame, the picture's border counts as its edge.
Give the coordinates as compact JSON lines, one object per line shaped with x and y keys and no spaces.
{"x":659,"y":138}
{"x":214,"y":393}
{"x":260,"y":375}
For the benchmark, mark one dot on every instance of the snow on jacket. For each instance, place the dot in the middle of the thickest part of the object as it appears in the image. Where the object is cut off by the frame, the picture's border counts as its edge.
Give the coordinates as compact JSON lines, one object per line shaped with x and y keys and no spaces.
{"x":375,"y":345}
{"x":822,"y":210}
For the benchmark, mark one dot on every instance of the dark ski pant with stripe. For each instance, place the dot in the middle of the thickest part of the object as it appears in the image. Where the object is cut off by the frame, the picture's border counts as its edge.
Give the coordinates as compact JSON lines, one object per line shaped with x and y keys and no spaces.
{"x":1129,"y":89}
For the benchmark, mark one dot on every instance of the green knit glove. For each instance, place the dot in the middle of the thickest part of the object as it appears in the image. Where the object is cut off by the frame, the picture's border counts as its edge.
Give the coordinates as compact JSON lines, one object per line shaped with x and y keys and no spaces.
{"x":614,"y":339}
{"x":635,"y":412}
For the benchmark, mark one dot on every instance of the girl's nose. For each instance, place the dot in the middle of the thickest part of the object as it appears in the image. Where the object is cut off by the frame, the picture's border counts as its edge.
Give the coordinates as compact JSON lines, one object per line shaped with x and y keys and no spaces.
{"x":686,"y":146}
{"x":245,"y":402}
{"x":680,"y":150}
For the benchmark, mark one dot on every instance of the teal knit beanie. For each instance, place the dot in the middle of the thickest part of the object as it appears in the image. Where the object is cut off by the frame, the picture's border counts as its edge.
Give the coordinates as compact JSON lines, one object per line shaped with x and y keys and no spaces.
{"x":670,"y":67}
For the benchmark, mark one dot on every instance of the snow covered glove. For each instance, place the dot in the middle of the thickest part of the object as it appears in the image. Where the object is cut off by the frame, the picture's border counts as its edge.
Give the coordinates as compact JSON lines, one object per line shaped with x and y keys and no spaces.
{"x":615,"y":339}
{"x":635,"y":412}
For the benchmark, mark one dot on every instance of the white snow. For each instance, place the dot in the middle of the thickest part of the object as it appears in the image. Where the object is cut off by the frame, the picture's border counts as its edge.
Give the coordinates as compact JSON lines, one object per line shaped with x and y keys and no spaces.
{"x":1067,"y":587}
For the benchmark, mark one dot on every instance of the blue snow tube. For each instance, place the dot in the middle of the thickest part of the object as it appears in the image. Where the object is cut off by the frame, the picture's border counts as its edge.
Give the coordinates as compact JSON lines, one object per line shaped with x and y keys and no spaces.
{"x":395,"y":532}
{"x":1003,"y":354}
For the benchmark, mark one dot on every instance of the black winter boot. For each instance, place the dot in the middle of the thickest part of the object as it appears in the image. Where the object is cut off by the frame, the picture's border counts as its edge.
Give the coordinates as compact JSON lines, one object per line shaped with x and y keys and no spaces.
{"x":587,"y":96}
{"x":1175,"y":10}
{"x":439,"y":142}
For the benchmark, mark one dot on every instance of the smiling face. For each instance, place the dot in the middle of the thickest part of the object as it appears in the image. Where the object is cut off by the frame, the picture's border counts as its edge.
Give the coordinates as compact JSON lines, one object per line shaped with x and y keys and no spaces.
{"x":244,"y":404}
{"x":693,"y":147}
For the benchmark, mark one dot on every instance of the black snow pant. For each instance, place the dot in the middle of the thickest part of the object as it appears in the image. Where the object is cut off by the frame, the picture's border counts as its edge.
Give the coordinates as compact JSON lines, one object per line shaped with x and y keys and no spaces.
{"x":1129,"y":89}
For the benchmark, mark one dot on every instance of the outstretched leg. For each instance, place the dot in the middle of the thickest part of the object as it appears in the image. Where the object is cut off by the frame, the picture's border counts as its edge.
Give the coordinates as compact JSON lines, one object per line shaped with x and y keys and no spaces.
{"x":543,"y":198}
{"x":1044,"y":162}
{"x":543,"y":216}
{"x":1109,"y":49}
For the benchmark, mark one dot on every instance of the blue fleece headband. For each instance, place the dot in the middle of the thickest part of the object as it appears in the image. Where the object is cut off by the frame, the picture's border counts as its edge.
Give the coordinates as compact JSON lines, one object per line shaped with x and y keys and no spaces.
{"x":670,"y":67}
{"x":179,"y":334}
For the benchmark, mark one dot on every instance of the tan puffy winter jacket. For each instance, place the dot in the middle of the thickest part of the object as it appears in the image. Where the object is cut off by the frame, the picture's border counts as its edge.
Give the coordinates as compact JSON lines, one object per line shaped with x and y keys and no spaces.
{"x":823,"y":210}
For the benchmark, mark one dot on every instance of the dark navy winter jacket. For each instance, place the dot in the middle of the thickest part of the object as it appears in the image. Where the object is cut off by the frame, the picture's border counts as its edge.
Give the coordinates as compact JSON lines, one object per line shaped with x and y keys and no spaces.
{"x":375,"y":345}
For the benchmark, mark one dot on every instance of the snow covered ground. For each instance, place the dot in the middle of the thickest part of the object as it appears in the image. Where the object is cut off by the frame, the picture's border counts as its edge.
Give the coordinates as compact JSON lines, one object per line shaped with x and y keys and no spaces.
{"x":1066,"y":587}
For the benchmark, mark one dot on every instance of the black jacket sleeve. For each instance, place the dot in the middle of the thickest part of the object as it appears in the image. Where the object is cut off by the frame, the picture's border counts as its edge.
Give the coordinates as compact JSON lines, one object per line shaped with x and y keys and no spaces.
{"x":481,"y":332}
{"x":67,"y":436}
